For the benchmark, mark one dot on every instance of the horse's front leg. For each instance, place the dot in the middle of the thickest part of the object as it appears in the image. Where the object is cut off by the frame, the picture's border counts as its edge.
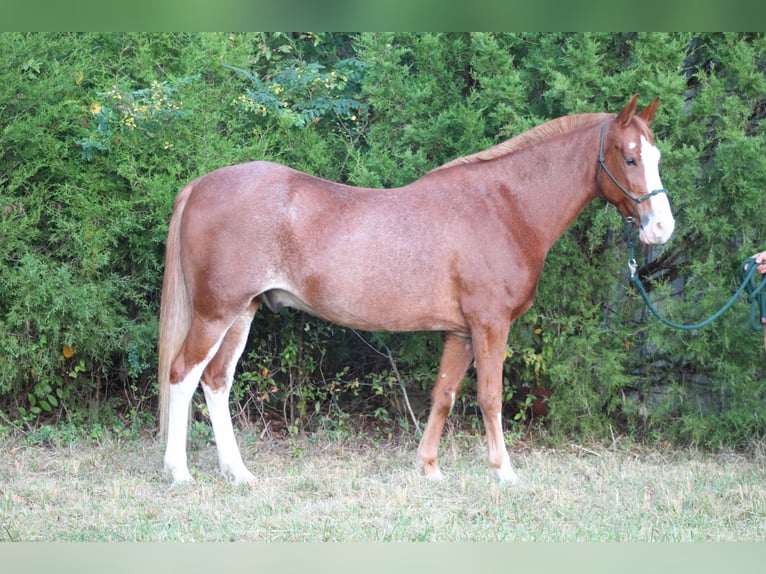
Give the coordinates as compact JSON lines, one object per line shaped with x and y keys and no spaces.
{"x":489,"y":349}
{"x":456,"y":358}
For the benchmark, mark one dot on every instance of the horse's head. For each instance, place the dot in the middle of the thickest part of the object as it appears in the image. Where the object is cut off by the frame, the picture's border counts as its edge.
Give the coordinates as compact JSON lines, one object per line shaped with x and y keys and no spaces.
{"x":628,"y":173}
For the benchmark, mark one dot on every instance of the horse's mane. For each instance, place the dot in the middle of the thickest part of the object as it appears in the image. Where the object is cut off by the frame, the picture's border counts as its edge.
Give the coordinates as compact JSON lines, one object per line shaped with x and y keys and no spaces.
{"x":548,"y":130}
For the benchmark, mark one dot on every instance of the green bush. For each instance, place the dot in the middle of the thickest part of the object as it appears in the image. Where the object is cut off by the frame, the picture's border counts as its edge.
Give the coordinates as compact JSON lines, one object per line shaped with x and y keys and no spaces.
{"x":98,"y":132}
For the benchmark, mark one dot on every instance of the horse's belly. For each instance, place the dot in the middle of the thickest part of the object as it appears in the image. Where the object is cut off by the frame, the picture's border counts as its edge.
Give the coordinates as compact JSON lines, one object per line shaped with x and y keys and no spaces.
{"x":372,"y":311}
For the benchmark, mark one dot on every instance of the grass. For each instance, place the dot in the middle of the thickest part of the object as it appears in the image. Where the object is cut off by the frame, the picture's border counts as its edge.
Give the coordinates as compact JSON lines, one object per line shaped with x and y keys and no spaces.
{"x":355,"y":489}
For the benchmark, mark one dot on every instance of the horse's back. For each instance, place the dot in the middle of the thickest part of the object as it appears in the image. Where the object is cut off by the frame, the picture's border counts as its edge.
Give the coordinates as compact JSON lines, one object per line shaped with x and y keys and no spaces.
{"x":350,"y":255}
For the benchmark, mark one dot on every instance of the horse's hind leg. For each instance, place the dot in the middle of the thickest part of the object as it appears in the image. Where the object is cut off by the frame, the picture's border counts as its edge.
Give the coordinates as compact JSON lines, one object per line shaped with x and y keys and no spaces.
{"x":456,"y":358}
{"x":216,"y":383}
{"x":201,"y":345}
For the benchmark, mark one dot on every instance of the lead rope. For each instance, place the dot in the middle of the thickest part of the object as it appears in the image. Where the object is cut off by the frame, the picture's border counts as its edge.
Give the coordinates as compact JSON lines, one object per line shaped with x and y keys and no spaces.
{"x":748,"y":283}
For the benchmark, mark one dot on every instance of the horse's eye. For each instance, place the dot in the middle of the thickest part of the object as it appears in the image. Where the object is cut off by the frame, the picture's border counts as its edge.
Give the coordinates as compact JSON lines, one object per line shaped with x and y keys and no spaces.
{"x":631,"y":161}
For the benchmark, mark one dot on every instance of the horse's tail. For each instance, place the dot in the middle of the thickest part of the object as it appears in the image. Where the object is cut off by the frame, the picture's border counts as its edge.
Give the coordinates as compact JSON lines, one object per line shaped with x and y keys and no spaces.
{"x":175,"y":307}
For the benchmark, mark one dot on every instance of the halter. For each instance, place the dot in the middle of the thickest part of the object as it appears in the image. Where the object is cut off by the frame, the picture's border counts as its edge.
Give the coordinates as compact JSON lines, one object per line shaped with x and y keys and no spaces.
{"x":602,"y":167}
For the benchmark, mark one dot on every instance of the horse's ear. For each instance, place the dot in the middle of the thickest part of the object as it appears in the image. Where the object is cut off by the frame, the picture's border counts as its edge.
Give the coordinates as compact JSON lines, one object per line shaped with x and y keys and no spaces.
{"x":627,"y":113}
{"x":647,"y":114}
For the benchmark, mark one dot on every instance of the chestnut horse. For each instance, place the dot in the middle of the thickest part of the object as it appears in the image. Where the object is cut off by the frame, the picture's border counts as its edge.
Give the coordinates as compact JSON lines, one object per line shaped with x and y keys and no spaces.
{"x":459,"y":250}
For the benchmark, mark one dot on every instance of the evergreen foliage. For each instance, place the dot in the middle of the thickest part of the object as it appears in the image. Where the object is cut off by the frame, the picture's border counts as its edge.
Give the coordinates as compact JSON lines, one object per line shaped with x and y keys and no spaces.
{"x":98,"y":132}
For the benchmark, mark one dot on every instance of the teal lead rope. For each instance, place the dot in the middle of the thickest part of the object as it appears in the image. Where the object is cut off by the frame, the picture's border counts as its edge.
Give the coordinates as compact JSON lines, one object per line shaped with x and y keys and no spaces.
{"x":756,"y":292}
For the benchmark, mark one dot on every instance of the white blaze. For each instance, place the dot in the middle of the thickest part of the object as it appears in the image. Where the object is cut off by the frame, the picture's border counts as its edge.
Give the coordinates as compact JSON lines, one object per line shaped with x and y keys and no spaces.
{"x":659,"y":223}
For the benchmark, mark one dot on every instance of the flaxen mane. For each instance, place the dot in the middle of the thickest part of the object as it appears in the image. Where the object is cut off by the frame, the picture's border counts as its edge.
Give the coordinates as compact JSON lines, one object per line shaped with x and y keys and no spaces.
{"x":540,"y":133}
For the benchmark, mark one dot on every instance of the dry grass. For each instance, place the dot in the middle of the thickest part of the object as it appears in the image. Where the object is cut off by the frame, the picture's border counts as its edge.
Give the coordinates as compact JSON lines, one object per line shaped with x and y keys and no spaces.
{"x":356,"y":490}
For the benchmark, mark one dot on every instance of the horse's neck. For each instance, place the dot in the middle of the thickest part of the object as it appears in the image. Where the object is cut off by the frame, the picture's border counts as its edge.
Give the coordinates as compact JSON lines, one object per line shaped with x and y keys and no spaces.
{"x":552,"y":182}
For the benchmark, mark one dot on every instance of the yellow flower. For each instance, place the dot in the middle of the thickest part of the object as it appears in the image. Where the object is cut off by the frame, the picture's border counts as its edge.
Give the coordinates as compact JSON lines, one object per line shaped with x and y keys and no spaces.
{"x":95,"y":108}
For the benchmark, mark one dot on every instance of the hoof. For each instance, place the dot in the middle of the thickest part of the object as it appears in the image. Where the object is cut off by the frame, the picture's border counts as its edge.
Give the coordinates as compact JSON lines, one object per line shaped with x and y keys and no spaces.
{"x":435,"y":475}
{"x":245,"y":477}
{"x":181,"y":482}
{"x":237,"y":473}
{"x":179,"y":472}
{"x":430,"y":470}
{"x":506,"y":476}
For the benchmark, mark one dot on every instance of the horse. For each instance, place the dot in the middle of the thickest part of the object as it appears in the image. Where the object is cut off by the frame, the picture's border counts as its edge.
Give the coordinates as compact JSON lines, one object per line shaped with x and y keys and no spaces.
{"x":459,"y":250}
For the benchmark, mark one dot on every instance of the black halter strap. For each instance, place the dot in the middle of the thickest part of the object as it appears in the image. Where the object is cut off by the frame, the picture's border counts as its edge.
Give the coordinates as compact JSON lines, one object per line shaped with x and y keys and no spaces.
{"x":602,"y":167}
